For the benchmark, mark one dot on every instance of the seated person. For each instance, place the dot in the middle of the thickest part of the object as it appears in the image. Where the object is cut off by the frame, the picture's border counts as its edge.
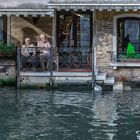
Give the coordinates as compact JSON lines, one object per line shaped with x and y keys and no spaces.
{"x":27,"y":51}
{"x":45,"y":46}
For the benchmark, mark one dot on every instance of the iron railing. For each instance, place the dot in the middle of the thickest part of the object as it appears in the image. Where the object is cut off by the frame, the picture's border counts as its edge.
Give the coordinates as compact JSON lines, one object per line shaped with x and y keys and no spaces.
{"x":123,"y":56}
{"x":32,"y":62}
{"x":74,"y":58}
{"x":60,"y":59}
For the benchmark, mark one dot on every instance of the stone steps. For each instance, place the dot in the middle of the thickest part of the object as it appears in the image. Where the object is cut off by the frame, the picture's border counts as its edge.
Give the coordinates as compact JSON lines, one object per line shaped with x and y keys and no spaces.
{"x":64,"y":78}
{"x":101,"y":77}
{"x":104,"y":79}
{"x":109,"y":81}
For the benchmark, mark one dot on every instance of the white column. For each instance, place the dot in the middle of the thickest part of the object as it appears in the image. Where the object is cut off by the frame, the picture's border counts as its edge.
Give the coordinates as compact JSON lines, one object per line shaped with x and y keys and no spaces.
{"x":54,"y":25}
{"x":8,"y":29}
{"x":94,"y":41}
{"x":94,"y":50}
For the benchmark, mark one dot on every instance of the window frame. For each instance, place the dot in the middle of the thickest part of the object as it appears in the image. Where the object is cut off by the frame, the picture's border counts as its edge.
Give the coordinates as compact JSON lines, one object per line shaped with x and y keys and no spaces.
{"x":115,"y":33}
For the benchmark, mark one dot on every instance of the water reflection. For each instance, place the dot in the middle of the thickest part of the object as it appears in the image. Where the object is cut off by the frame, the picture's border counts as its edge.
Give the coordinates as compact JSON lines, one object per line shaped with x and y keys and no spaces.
{"x":41,"y":115}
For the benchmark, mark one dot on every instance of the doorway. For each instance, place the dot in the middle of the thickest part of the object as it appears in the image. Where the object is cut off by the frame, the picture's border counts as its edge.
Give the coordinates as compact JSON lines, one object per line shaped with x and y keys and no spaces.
{"x":74,"y":41}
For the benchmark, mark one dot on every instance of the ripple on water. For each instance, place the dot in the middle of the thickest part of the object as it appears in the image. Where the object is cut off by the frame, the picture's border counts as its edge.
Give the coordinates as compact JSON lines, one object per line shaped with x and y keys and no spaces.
{"x":41,"y":115}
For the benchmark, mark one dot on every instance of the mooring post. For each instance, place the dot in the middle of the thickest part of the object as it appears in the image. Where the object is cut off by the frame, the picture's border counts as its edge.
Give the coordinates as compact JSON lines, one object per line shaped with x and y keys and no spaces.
{"x":51,"y":67}
{"x":18,"y":66}
{"x":53,"y":20}
{"x":94,"y":49}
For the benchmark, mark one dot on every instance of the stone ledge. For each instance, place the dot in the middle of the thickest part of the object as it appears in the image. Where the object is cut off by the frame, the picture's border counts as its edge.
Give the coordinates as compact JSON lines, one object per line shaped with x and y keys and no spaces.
{"x":125,"y":64}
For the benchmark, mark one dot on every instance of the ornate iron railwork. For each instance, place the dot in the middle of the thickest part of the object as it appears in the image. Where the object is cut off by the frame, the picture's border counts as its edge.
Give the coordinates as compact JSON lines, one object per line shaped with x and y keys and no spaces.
{"x":33,"y":61}
{"x":75,"y":58}
{"x":62,"y":59}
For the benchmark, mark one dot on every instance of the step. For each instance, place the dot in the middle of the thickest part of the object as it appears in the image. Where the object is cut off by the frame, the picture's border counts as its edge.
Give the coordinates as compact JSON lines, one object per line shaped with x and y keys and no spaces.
{"x":101,"y":77}
{"x":57,"y":74}
{"x":109,"y":81}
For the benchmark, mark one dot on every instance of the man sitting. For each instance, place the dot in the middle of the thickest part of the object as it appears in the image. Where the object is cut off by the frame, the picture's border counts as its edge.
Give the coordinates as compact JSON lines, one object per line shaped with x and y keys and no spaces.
{"x":27,"y":52}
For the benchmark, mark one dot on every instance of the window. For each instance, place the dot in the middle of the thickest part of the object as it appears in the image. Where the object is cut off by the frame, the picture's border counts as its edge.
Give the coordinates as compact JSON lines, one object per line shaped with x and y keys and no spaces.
{"x":74,"y":29}
{"x":128,"y":38}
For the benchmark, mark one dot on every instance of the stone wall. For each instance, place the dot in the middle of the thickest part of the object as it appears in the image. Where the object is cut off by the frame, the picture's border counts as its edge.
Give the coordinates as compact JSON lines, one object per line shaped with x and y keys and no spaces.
{"x":7,"y":69}
{"x":22,"y":27}
{"x":127,"y":74}
{"x":104,"y":44}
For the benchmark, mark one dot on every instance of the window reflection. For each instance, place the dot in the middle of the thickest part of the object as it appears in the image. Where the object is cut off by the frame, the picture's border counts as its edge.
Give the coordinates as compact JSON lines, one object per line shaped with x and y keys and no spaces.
{"x":74,"y":30}
{"x":128,"y":31}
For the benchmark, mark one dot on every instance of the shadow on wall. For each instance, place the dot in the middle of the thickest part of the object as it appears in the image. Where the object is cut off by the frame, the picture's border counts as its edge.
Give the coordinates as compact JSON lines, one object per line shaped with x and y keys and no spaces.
{"x":31,"y":27}
{"x":13,"y":41}
{"x":32,"y":34}
{"x":42,"y":23}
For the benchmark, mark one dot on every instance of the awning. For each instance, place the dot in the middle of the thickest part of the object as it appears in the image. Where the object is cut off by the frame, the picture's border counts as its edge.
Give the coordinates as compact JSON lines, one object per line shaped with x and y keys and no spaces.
{"x":93,"y":6}
{"x":25,"y":8}
{"x":26,"y":12}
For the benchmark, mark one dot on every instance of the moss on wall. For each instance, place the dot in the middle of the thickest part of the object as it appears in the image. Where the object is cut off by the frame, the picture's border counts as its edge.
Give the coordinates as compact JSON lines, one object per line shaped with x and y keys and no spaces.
{"x":11,"y":82}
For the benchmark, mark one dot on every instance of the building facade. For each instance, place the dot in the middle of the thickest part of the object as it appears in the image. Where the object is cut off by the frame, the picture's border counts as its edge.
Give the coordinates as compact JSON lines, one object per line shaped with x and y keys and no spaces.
{"x":90,"y":39}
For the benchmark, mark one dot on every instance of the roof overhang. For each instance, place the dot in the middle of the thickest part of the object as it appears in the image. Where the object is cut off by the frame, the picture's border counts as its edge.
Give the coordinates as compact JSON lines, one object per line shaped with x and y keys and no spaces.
{"x":93,"y":7}
{"x":27,"y":12}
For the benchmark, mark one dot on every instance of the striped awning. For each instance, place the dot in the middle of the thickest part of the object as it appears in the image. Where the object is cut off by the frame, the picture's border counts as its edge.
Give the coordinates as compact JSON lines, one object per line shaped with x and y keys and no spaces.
{"x":25,"y":7}
{"x":93,"y":6}
{"x":27,"y":12}
{"x":47,"y":7}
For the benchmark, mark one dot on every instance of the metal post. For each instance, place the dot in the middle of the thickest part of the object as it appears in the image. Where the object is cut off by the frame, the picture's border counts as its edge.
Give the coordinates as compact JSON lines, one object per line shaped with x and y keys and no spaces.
{"x":94,"y":50}
{"x":18,"y":67}
{"x":53,"y":45}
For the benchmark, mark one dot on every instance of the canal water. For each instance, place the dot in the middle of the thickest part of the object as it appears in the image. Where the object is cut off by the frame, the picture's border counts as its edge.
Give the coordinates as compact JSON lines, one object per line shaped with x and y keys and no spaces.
{"x":69,"y":115}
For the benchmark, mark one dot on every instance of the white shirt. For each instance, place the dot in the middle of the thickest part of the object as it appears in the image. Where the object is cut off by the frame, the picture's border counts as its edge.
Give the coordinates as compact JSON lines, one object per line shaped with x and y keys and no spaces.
{"x":25,"y":50}
{"x":46,"y":47}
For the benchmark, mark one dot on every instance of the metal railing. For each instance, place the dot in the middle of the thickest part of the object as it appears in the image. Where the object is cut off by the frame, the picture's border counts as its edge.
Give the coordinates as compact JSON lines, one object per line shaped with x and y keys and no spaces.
{"x":75,"y":58}
{"x":123,"y":56}
{"x":60,"y":59}
{"x":33,"y":61}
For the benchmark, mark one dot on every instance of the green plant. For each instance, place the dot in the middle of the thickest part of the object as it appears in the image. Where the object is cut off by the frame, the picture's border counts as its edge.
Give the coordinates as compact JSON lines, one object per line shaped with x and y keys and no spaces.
{"x":7,"y":51}
{"x":8,"y":82}
{"x":130,"y":52}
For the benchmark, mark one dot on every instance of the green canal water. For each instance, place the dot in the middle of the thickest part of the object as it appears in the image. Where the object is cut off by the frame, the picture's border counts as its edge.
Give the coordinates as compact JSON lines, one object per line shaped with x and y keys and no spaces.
{"x":69,"y":115}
